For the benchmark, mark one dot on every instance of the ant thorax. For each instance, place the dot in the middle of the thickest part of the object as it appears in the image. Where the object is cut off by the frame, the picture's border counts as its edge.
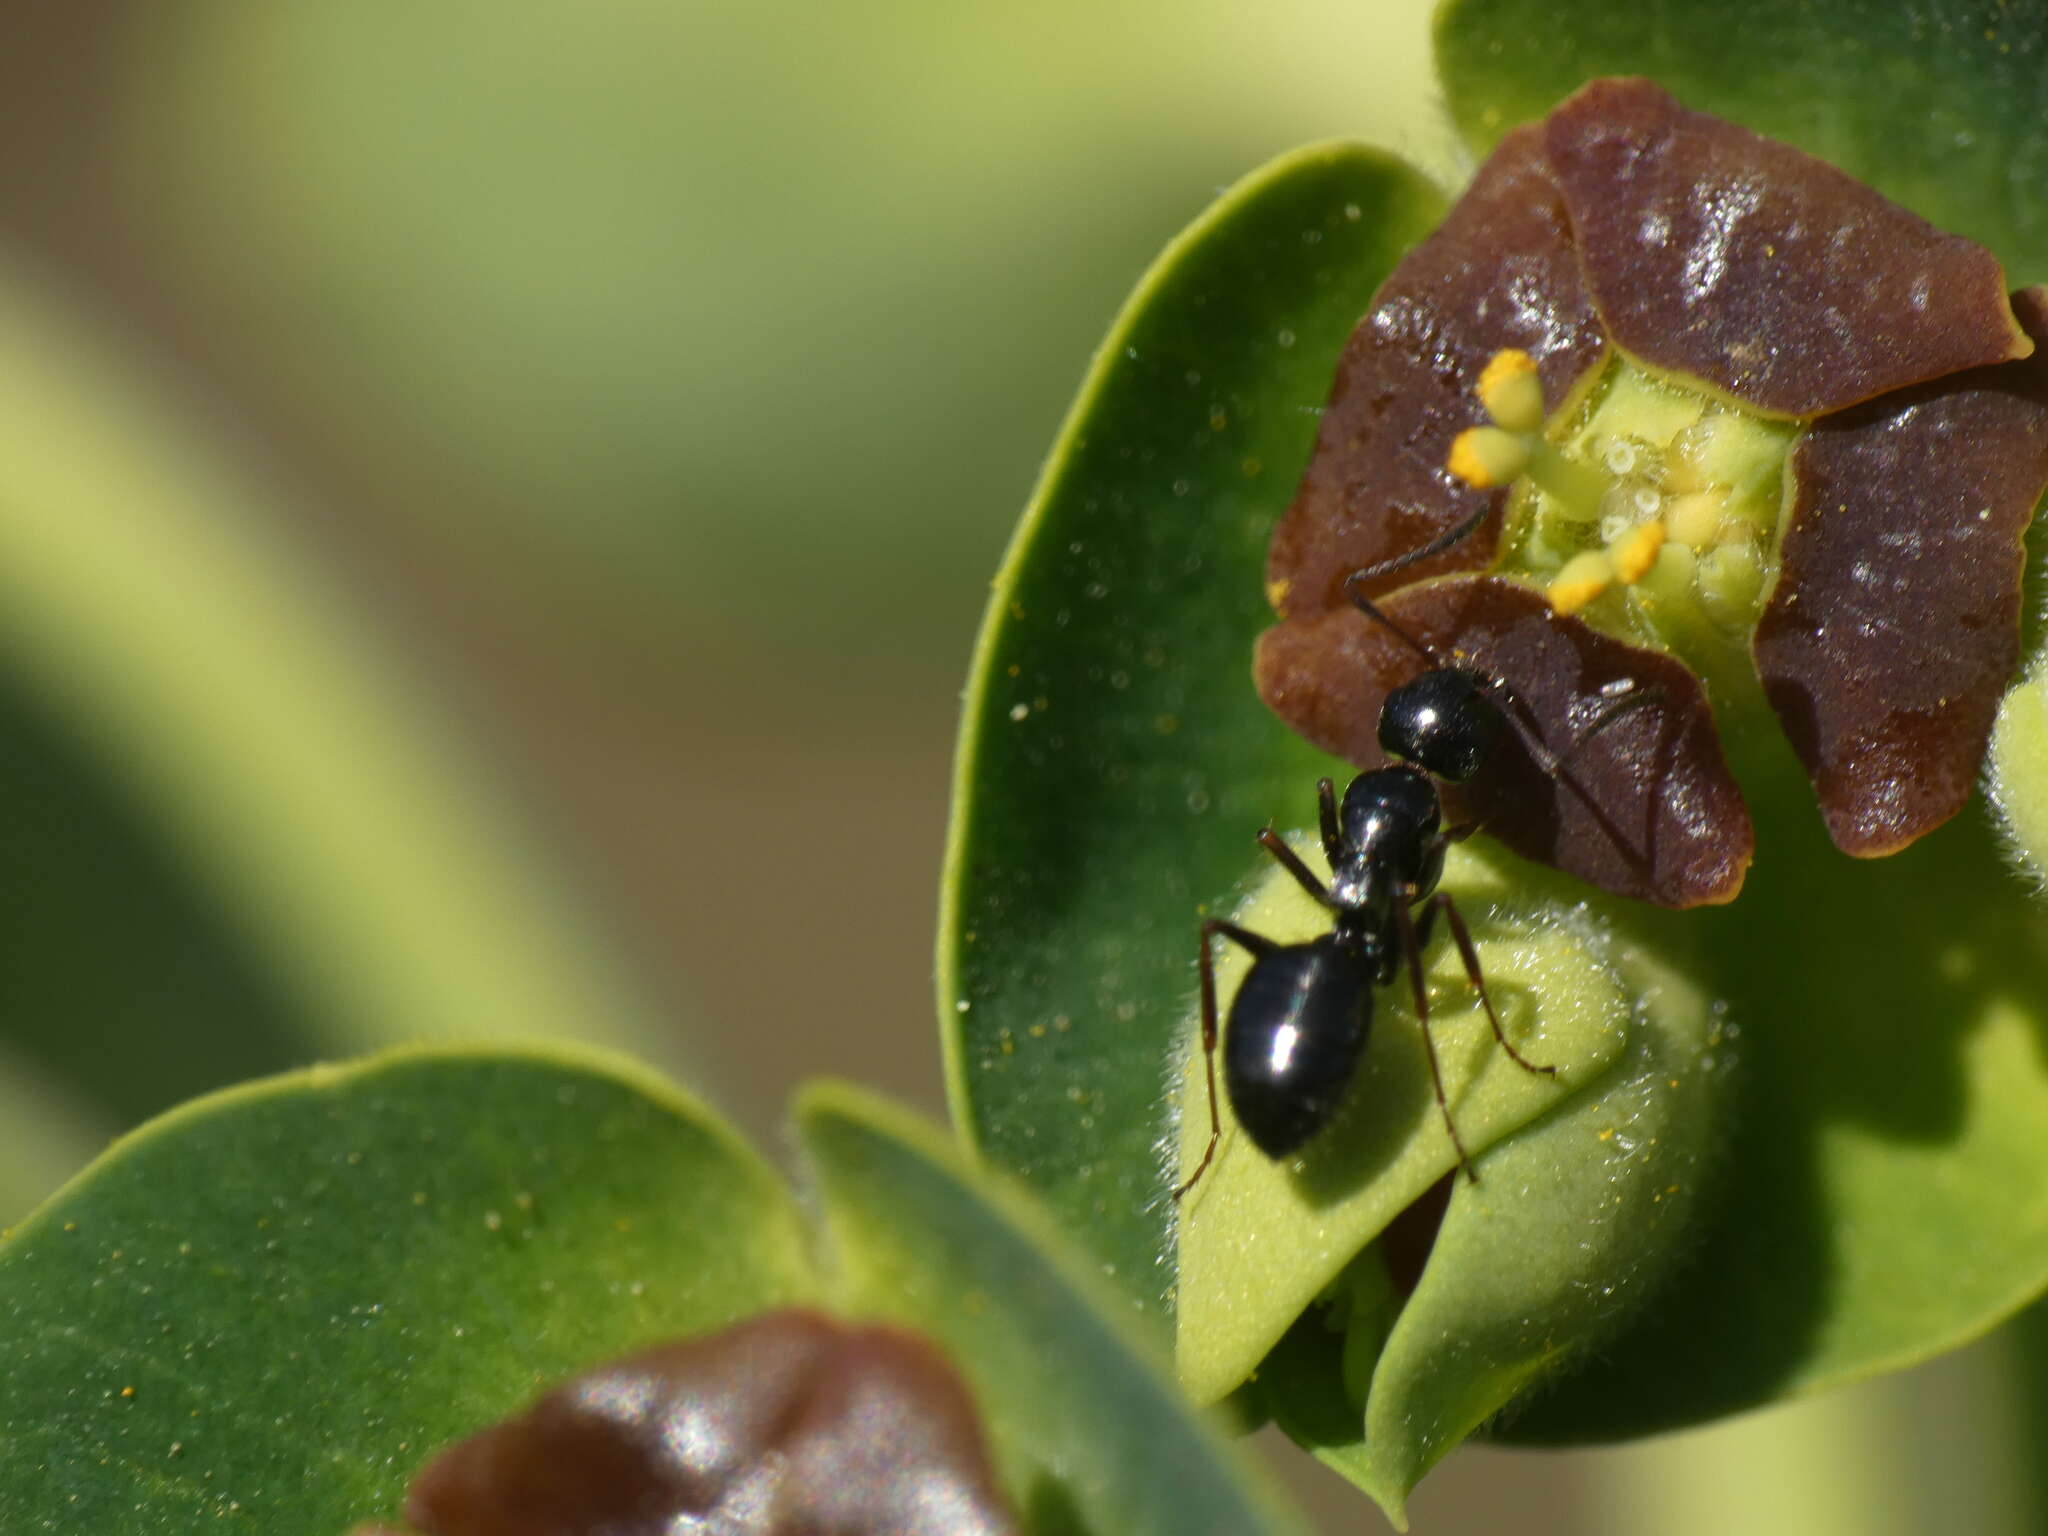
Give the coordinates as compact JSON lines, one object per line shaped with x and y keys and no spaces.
{"x":1389,"y":824}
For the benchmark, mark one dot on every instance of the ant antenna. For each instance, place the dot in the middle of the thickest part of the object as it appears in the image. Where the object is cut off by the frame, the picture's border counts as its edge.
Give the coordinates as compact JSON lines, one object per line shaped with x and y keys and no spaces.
{"x":1364,"y":575}
{"x":1457,"y":533}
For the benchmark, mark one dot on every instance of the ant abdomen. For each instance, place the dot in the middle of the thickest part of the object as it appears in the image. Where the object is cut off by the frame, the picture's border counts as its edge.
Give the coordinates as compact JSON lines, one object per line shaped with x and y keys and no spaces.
{"x":1298,"y":1027}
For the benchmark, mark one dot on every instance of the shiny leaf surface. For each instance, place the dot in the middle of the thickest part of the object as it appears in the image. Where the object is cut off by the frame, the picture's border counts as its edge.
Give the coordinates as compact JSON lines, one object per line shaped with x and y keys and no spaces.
{"x":275,"y":1303}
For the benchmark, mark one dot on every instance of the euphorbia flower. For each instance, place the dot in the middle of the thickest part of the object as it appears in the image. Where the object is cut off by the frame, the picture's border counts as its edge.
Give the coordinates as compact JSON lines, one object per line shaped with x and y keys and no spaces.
{"x":1649,"y":1257}
{"x":1770,"y":400}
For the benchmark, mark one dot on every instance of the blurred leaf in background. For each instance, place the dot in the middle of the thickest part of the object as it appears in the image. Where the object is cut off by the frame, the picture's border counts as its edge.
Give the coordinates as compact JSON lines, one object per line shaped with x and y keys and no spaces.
{"x":727,"y":307}
{"x":662,"y":381}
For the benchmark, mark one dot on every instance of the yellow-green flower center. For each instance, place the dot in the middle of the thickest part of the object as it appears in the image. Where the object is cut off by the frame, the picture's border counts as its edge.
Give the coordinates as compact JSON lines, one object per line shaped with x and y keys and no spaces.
{"x":1652,"y":506}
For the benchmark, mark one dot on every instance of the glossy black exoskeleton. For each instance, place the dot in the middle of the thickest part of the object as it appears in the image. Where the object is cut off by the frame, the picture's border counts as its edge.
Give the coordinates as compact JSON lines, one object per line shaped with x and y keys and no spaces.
{"x":1301,"y":1019}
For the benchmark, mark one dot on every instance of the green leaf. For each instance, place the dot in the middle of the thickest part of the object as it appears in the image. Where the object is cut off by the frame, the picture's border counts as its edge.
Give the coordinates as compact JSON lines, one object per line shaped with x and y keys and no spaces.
{"x":1081,"y":1407}
{"x":2019,"y":772}
{"x":1578,"y":1214}
{"x":276,"y":1302}
{"x":1260,"y":1240}
{"x":1114,"y":759}
{"x":1573,"y":1225}
{"x":1942,"y":105}
{"x":1889,"y":1015}
{"x":255,"y":798}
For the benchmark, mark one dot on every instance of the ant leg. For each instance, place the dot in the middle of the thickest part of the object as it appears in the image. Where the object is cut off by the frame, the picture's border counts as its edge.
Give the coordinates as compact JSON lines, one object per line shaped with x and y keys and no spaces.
{"x":1411,"y":951}
{"x":1291,"y":862}
{"x":1463,"y":936}
{"x":1245,"y":939}
{"x":1615,"y":709}
{"x":1326,"y":810}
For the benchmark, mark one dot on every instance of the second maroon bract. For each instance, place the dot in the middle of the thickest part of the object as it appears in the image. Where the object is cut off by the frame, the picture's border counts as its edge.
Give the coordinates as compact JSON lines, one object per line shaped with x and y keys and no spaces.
{"x":787,"y":1422}
{"x":1644,"y":256}
{"x":1740,"y":261}
{"x":1895,"y":625}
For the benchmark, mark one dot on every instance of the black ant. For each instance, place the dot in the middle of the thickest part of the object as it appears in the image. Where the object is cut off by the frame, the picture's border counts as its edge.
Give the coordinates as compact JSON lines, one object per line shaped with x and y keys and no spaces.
{"x":1301,"y":1018}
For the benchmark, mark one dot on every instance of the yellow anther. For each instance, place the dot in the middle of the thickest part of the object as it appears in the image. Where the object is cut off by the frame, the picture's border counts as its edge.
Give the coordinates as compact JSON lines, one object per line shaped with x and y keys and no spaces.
{"x":1584,"y":577}
{"x":1636,"y":550}
{"x":1486,"y":457}
{"x":1511,"y":391}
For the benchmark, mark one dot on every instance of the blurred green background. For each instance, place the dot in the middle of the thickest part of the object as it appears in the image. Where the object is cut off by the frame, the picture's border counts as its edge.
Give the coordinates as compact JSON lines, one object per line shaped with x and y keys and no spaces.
{"x":495,"y":500}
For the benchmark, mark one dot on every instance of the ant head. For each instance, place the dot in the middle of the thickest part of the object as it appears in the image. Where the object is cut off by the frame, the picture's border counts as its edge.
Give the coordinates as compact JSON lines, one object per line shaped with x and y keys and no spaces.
{"x":1445,"y":722}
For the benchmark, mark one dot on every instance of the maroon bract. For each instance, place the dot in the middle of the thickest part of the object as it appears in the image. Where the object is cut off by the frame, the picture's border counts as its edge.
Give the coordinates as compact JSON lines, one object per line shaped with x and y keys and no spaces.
{"x":1732,"y":258}
{"x":1895,"y":625}
{"x":788,"y":1424}
{"x":1498,"y":272}
{"x":1635,"y":796}
{"x":1626,"y":230}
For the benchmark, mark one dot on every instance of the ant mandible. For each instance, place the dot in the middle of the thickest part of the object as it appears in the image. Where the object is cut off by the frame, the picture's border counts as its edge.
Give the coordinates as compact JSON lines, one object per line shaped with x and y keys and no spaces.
{"x":1301,"y":1018}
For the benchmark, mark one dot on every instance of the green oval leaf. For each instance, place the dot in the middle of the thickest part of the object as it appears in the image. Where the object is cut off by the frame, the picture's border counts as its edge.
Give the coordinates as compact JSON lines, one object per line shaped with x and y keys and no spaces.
{"x":1941,"y":105}
{"x":1114,"y":759}
{"x":1081,"y":1409}
{"x":1574,"y":1223}
{"x":1260,"y":1240}
{"x":2019,"y":772}
{"x":273,"y":1304}
{"x":1892,"y":1094}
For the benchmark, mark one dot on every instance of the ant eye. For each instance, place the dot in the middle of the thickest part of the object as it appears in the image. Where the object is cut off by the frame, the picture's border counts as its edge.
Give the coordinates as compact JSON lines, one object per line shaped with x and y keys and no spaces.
{"x":1738,"y":402}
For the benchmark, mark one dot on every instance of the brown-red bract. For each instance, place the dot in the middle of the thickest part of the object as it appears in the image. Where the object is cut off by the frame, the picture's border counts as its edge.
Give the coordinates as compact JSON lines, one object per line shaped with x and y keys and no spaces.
{"x":1625,"y":226}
